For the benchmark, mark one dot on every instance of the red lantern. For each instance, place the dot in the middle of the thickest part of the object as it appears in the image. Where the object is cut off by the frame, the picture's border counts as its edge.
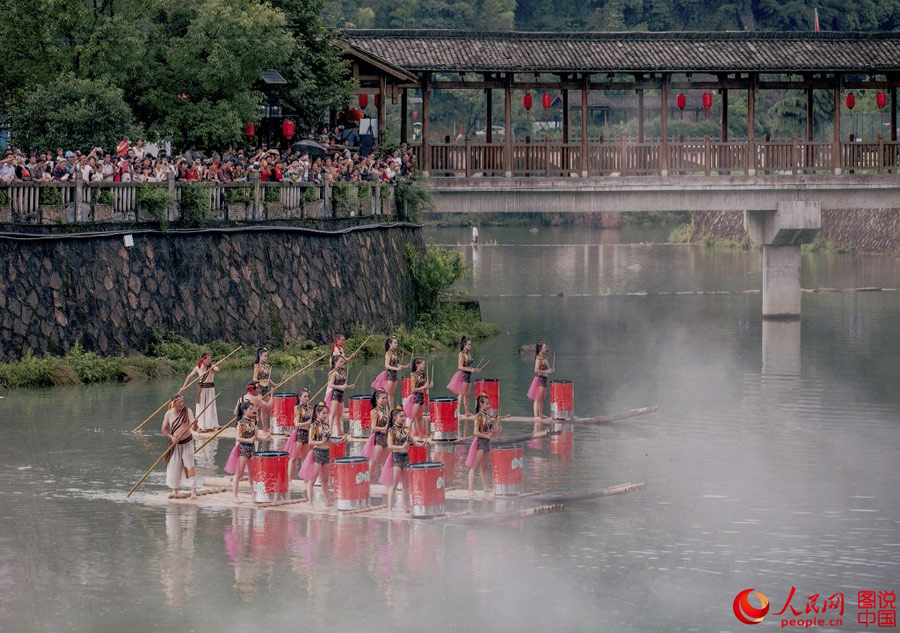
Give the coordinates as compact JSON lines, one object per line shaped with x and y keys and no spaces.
{"x":850,"y":100}
{"x":353,"y":115}
{"x":707,"y":102}
{"x":287,"y":129}
{"x":681,"y":102}
{"x":415,"y":114}
{"x":526,"y":101}
{"x":546,"y":101}
{"x":363,"y":101}
{"x":881,"y":99}
{"x":250,"y":129}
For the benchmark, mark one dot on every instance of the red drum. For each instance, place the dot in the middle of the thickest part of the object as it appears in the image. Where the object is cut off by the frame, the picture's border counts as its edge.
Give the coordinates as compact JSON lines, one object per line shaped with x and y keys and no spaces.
{"x":360,"y":420}
{"x":283,"y":413}
{"x":269,"y":476}
{"x":490,"y":386}
{"x":336,"y":451}
{"x":426,"y":489}
{"x":562,"y":399}
{"x":406,"y":389}
{"x":563,"y":443}
{"x":507,"y":466}
{"x":418,"y":454}
{"x":351,"y":483}
{"x":443,"y":418}
{"x":446,"y":455}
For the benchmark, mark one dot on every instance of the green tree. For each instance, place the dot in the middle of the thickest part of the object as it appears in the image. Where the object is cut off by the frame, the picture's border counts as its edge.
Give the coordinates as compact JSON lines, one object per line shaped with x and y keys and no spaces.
{"x":316,"y":71}
{"x":70,"y":112}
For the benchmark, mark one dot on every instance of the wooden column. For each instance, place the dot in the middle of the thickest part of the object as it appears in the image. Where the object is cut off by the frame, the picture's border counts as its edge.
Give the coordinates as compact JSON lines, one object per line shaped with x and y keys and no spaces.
{"x":836,"y":148}
{"x":585,"y":87}
{"x":893,"y":113}
{"x":640,"y":94}
{"x":382,"y":109}
{"x":489,"y":115}
{"x":404,"y":116}
{"x":565,"y":125}
{"x":751,"y":123}
{"x":507,"y":126}
{"x":426,"y":153}
{"x":664,"y":126}
{"x":809,"y":114}
{"x":724,"y":133}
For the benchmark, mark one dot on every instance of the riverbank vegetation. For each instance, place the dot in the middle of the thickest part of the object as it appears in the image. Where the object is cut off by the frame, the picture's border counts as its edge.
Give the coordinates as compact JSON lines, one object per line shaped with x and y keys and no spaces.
{"x":441,"y":320}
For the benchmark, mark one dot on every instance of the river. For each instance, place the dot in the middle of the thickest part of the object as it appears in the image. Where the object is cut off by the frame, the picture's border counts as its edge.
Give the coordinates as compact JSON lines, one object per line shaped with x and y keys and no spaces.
{"x":771,"y":464}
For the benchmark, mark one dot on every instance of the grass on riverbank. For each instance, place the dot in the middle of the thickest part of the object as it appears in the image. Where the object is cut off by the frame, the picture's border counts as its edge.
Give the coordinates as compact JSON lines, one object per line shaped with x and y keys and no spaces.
{"x":682,"y":235}
{"x":171,"y":355}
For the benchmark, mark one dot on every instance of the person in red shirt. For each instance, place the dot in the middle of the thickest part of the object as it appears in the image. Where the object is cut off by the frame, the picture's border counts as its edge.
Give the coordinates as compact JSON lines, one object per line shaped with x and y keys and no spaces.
{"x":123,"y":146}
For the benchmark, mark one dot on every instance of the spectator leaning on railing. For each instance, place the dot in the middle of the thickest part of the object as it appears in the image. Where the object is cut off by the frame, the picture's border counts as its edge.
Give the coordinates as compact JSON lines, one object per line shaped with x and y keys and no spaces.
{"x":134,"y":163}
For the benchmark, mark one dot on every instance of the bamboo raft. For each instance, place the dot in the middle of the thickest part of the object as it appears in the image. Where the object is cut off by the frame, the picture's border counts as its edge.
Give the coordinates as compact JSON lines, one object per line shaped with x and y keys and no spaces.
{"x":220,"y":498}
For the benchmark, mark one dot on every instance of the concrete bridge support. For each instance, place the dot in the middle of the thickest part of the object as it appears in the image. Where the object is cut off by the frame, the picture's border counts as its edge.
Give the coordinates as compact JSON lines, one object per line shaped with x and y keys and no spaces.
{"x":781,"y":232}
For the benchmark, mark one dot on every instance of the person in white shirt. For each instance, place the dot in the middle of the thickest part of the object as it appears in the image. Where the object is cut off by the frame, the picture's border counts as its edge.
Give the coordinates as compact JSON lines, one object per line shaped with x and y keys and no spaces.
{"x":474,"y":236}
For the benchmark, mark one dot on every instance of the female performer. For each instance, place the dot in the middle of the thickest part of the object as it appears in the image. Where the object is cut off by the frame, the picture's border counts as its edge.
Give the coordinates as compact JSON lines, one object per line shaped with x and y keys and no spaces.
{"x":387,"y":380}
{"x":379,"y":424}
{"x":481,"y":445}
{"x":337,"y":382}
{"x":262,"y":372}
{"x":419,"y":384}
{"x":298,"y":443}
{"x":538,"y":388}
{"x":337,"y":351}
{"x":399,"y":441}
{"x":319,"y":439}
{"x":461,"y":380}
{"x":247,"y":432}
{"x":206,"y":393}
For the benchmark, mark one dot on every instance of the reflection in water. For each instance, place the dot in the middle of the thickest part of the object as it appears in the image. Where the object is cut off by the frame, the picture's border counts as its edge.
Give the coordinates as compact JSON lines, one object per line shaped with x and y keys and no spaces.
{"x":781,"y":347}
{"x":177,"y":568}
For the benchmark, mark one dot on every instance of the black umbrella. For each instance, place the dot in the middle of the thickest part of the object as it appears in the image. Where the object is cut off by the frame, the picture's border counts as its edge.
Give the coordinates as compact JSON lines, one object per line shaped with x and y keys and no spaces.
{"x":310,"y":147}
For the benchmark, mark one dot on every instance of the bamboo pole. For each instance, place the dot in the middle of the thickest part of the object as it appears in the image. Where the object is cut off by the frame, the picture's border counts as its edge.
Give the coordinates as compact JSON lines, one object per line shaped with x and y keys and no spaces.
{"x":620,"y":416}
{"x":182,"y":390}
{"x":361,"y":346}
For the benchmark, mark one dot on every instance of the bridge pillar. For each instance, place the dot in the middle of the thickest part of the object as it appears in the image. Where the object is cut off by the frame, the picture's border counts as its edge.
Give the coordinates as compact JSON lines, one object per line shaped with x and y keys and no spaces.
{"x":781,"y":232}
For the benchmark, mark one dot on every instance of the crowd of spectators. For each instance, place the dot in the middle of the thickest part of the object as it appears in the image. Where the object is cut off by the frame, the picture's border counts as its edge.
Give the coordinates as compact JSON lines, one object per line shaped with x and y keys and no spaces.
{"x":319,"y":161}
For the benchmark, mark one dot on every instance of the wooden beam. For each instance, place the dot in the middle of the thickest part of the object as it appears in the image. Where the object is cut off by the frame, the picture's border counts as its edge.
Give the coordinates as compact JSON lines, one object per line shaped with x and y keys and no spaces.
{"x":565,"y":115}
{"x":489,"y":116}
{"x":404,"y":116}
{"x":664,"y":129}
{"x":724,"y":131}
{"x":426,"y":152}
{"x":585,"y":89}
{"x":640,"y":94}
{"x":751,"y":134}
{"x":810,"y":124}
{"x":836,"y":148}
{"x":893,"y":114}
{"x":382,"y":109}
{"x":507,"y":125}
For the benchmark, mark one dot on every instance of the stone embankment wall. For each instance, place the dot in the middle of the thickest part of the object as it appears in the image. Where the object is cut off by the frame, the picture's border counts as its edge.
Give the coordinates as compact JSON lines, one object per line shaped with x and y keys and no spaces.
{"x":253,"y":285}
{"x":864,"y":230}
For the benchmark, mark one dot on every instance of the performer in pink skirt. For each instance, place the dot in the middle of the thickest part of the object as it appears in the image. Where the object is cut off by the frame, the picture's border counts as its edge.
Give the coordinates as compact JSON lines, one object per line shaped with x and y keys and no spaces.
{"x":316,"y":462}
{"x":298,"y":443}
{"x":462,"y":379}
{"x":387,"y":380}
{"x":247,"y":434}
{"x":538,"y":389}
{"x":262,"y":372}
{"x":481,"y":444}
{"x":376,"y":446}
{"x":399,"y":442}
{"x":337,"y":382}
{"x":418,"y":430}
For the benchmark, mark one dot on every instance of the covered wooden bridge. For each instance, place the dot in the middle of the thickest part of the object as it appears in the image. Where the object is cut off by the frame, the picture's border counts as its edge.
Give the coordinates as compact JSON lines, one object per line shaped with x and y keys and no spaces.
{"x":390,"y":64}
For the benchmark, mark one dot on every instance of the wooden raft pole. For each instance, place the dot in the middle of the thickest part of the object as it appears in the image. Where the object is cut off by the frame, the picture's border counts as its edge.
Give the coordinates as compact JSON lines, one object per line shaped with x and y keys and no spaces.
{"x":621,"y":416}
{"x":499,"y":517}
{"x":588,"y":494}
{"x":166,"y":403}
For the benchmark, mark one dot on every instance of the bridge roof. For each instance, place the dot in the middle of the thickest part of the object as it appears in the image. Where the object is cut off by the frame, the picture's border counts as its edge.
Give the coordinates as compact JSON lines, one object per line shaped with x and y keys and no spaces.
{"x":714,"y":52}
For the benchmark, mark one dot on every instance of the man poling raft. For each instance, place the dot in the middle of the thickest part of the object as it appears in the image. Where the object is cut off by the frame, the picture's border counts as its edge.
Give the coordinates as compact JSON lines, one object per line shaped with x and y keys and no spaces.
{"x":178,"y":424}
{"x":205,"y":371}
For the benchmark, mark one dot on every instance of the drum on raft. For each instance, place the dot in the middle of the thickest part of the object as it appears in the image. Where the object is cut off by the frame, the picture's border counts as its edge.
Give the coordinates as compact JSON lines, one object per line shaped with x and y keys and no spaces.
{"x":335,"y":451}
{"x":443,"y":418}
{"x":507,"y":470}
{"x":351,"y":483}
{"x":283,"y":413}
{"x":360,"y":416}
{"x":490,"y":386}
{"x":426,"y":489}
{"x":269,"y":476}
{"x":562,"y":399}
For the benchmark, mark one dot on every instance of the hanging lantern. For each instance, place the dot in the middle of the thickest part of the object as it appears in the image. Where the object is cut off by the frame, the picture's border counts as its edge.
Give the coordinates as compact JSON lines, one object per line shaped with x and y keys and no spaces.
{"x":287,"y":129}
{"x":546,"y":101}
{"x":707,"y":102}
{"x":250,"y":129}
{"x":354,"y":115}
{"x":415,"y":114}
{"x":850,"y":100}
{"x":363,"y":101}
{"x":681,"y":102}
{"x":881,"y":99}
{"x":526,"y":101}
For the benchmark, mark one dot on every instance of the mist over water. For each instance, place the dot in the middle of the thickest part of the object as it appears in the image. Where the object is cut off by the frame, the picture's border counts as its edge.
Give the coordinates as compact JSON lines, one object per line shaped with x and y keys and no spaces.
{"x":771,"y":464}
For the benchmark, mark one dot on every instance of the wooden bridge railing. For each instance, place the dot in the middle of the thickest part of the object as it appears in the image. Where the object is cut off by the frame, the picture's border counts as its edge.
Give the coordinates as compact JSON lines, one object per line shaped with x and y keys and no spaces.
{"x":683,"y":157}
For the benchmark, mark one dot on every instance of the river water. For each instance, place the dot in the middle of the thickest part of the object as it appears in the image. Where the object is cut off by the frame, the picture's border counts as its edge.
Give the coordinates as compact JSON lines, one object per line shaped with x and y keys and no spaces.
{"x":771,"y":464}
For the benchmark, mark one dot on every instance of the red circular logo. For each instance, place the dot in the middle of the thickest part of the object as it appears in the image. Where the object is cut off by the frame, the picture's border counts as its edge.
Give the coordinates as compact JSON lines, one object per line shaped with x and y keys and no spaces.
{"x":746,"y":612}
